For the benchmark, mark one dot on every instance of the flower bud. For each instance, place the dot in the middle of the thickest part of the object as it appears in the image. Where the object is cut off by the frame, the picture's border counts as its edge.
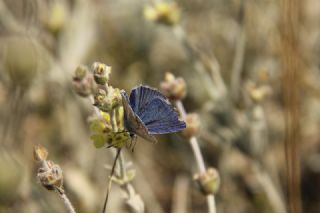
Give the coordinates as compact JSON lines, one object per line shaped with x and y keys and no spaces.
{"x":101,"y":72}
{"x":209,"y":181}
{"x":258,"y":93}
{"x":57,"y":17}
{"x":107,"y":100}
{"x":193,"y":125}
{"x":167,"y":13}
{"x":83,"y":82}
{"x":173,"y":88}
{"x":51,"y":177}
{"x":80,"y":73}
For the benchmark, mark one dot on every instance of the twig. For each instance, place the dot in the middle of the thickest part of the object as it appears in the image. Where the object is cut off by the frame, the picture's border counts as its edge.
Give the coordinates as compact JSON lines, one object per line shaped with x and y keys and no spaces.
{"x":66,"y":200}
{"x":110,"y":181}
{"x":50,"y":176}
{"x":239,"y":55}
{"x":134,"y":200}
{"x":270,"y":189}
{"x":98,"y":113}
{"x":272,"y":192}
{"x":198,"y":156}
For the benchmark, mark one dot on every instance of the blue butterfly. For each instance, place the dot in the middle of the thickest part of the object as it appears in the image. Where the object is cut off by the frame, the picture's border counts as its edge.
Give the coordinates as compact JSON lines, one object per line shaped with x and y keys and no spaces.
{"x":148,"y":112}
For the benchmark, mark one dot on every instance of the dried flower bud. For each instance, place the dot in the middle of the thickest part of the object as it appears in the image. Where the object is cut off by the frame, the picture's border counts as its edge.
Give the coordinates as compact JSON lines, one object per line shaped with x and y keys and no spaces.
{"x":83,"y":82}
{"x":258,"y":93}
{"x":80,"y":73}
{"x":173,"y":88}
{"x":193,"y":125}
{"x":40,"y":153}
{"x":209,"y":181}
{"x":167,"y":13}
{"x":51,"y":177}
{"x":101,"y":72}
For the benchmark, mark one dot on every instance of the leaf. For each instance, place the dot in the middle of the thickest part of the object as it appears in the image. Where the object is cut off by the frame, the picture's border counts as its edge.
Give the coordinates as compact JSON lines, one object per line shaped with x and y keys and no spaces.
{"x":97,"y":126}
{"x":99,"y":140}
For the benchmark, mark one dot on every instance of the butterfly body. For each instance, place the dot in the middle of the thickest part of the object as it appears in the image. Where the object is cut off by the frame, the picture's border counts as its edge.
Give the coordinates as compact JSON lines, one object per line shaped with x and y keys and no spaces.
{"x":148,"y":112}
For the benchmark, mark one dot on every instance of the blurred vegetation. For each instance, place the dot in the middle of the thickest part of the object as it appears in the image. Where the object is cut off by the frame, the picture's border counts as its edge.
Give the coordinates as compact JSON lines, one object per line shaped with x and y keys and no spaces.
{"x":233,"y":56}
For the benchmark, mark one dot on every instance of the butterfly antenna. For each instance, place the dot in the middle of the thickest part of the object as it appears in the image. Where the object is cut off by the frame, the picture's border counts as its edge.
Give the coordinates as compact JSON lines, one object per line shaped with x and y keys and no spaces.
{"x":110,"y":181}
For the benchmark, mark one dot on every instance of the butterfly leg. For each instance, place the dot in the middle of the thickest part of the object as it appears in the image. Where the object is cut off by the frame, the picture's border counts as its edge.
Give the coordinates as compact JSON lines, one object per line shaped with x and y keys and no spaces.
{"x":134,"y":139}
{"x":129,"y":143}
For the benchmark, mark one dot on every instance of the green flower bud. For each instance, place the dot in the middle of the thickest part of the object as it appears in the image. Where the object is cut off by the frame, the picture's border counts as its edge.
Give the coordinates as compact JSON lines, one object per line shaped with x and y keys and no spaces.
{"x":209,"y":182}
{"x":101,"y":73}
{"x":107,"y":100}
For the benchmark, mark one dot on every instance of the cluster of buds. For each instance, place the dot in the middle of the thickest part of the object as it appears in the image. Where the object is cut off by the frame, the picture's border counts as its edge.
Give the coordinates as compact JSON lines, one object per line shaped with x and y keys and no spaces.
{"x":167,"y":13}
{"x":49,"y":174}
{"x":208,"y":181}
{"x":173,"y":88}
{"x":107,"y":127}
{"x":107,"y":99}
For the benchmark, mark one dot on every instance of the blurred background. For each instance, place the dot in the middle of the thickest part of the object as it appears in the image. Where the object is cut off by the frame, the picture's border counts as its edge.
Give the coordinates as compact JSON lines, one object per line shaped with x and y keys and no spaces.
{"x":251,"y":73}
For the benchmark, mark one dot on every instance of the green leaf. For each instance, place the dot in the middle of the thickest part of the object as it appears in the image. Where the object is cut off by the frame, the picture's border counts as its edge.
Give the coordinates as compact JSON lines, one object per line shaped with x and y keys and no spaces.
{"x":99,"y":140}
{"x":97,"y":126}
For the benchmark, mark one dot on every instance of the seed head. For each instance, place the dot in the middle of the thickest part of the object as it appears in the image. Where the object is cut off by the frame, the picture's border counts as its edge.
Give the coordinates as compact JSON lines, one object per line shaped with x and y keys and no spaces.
{"x":209,"y":181}
{"x":174,"y":88}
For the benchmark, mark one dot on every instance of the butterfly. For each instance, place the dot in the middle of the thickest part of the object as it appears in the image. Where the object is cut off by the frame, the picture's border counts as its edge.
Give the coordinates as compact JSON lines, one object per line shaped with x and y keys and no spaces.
{"x":148,"y":112}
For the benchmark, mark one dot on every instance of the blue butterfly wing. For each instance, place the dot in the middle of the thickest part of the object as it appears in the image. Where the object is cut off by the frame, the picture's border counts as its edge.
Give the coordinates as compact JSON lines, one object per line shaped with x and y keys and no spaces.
{"x":160,"y":117}
{"x":141,"y":96}
{"x":133,"y":123}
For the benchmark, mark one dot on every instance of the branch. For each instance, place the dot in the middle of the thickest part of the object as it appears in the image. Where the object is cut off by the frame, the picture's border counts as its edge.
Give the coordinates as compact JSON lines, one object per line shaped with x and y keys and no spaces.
{"x":199,"y":158}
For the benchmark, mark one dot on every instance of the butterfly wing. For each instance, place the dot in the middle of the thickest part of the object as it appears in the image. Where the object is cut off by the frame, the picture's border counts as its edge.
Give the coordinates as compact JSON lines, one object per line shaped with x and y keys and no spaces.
{"x":132,"y":122}
{"x":159,"y":117}
{"x":141,"y":96}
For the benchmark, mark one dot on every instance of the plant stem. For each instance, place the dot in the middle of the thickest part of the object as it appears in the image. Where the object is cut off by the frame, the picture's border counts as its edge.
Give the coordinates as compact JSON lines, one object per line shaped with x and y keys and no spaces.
{"x":110,"y":180}
{"x":66,"y":200}
{"x":198,"y":156}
